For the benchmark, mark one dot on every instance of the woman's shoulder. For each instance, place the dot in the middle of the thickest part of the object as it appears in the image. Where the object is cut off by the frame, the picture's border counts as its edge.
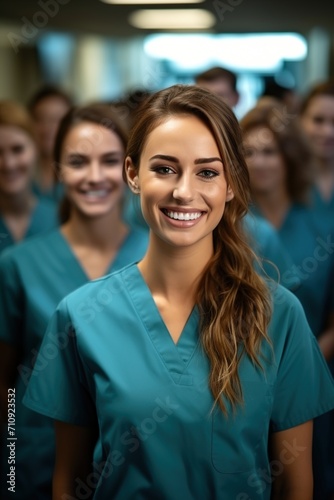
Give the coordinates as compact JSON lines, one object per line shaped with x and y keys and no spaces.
{"x":283,"y":300}
{"x":288,"y":315}
{"x":102,"y":290}
{"x":31,"y":248}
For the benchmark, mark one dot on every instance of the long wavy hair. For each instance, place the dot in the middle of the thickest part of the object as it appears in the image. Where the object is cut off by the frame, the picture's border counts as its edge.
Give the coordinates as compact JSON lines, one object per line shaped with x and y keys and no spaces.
{"x":101,"y":114}
{"x":233,"y":300}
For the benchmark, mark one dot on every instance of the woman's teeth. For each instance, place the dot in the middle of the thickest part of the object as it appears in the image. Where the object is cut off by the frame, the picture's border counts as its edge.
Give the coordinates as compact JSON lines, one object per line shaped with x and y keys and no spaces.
{"x":100,"y":193}
{"x":183,"y":215}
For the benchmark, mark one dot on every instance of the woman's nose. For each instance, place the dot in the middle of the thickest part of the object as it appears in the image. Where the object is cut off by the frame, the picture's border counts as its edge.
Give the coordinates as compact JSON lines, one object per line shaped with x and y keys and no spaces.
{"x":95,"y":172}
{"x":184,"y":189}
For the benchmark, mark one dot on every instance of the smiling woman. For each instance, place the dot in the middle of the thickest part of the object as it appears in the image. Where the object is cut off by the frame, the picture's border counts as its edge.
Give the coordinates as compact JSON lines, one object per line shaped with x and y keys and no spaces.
{"x":21,"y":214}
{"x":91,"y":241}
{"x":192,"y":366}
{"x":192,"y":169}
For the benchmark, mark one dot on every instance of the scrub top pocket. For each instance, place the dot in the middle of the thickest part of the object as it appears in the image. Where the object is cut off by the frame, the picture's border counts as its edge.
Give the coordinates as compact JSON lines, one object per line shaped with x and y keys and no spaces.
{"x":236,"y":438}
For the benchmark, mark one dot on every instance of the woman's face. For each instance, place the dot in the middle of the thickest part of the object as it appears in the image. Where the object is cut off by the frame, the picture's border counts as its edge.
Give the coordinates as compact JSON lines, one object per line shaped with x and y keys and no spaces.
{"x":17,"y":160}
{"x":47,"y":116}
{"x":181,"y":179}
{"x":91,"y":169}
{"x":265,"y":163}
{"x":318,"y":123}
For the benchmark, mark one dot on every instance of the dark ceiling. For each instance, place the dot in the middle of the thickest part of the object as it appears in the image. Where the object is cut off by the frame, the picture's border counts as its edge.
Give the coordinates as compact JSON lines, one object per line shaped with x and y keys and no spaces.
{"x":233,"y":16}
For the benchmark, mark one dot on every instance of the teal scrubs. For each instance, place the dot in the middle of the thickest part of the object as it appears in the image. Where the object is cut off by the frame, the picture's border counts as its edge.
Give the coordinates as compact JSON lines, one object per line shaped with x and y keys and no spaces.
{"x":265,"y":241}
{"x":35,"y":276}
{"x":107,"y":356}
{"x":319,"y":204}
{"x":309,"y":238}
{"x":43,"y":218}
{"x":53,"y":194}
{"x":132,"y":213}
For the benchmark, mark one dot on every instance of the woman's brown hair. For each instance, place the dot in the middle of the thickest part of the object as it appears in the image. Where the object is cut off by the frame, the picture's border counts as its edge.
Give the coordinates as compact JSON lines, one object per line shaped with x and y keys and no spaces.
{"x":292,"y":145}
{"x":325,"y":88}
{"x":14,"y":114}
{"x":101,"y":114}
{"x":233,"y":300}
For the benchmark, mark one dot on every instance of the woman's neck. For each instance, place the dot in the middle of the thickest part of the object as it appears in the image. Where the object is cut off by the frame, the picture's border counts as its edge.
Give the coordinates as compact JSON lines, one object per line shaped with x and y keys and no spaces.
{"x":46,"y":173}
{"x":273,"y":206}
{"x":325,"y":178}
{"x":175,"y":272}
{"x":325,"y":166}
{"x":17,"y":204}
{"x":105,"y":233}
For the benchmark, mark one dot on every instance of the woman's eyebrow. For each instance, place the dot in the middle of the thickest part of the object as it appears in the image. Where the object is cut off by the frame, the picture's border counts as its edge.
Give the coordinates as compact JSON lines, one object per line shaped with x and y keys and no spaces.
{"x":165,"y":157}
{"x":198,"y":161}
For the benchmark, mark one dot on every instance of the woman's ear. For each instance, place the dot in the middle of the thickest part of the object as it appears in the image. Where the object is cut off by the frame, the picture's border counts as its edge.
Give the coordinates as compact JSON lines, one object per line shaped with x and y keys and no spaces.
{"x":132,"y":175}
{"x":229,"y":194}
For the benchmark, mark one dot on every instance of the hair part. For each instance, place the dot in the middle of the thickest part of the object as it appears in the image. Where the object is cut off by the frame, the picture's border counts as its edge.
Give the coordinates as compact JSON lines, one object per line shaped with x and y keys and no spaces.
{"x":232,"y":299}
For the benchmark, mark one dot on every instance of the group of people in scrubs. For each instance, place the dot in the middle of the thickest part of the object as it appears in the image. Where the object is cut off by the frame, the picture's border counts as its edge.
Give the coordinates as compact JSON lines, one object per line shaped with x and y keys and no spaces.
{"x":161,"y":358}
{"x":90,"y":240}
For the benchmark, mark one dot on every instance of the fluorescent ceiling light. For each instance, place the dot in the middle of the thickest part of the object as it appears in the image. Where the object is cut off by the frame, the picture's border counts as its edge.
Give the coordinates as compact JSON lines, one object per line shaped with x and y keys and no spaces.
{"x":172,"y":19}
{"x":149,"y":2}
{"x":254,"y":52}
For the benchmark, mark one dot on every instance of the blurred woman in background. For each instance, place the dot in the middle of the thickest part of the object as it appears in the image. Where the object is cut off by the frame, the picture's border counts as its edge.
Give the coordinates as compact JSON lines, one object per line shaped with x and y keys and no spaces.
{"x":47,"y":107}
{"x":317,"y":120}
{"x":22,"y":214}
{"x":281,"y":175}
{"x":92,"y":240}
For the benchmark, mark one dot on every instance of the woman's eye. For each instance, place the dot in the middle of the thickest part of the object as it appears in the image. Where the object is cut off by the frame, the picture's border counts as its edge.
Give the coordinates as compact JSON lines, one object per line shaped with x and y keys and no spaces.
{"x":318,"y":120}
{"x":76,"y":163}
{"x":208,"y":174}
{"x":270,"y":152}
{"x":164,"y":170}
{"x":18,"y":149}
{"x":248,"y":153}
{"x":112,"y":161}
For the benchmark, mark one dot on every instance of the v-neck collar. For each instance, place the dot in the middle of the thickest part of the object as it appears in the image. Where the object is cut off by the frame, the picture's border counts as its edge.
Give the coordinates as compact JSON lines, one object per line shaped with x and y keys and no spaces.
{"x":175,"y":356}
{"x":115,"y":264}
{"x":7,"y":235}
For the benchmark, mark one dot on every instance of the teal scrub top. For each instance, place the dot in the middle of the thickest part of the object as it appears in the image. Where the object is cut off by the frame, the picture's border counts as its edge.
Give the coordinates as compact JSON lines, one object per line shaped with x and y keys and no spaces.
{"x":107,"y":356}
{"x":132,"y":213}
{"x":54,"y":194}
{"x":43,"y":219}
{"x":266,"y":243}
{"x":309,"y":238}
{"x":319,"y":204}
{"x":34,"y":277}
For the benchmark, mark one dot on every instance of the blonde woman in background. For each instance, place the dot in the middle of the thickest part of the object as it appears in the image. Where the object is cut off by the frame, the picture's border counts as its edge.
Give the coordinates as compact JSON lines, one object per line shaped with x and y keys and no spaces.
{"x":22,"y":214}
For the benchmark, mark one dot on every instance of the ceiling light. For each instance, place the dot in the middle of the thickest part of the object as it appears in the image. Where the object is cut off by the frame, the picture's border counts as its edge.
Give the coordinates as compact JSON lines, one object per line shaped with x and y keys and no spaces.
{"x":172,"y":19}
{"x":253,"y":52}
{"x":148,"y":2}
